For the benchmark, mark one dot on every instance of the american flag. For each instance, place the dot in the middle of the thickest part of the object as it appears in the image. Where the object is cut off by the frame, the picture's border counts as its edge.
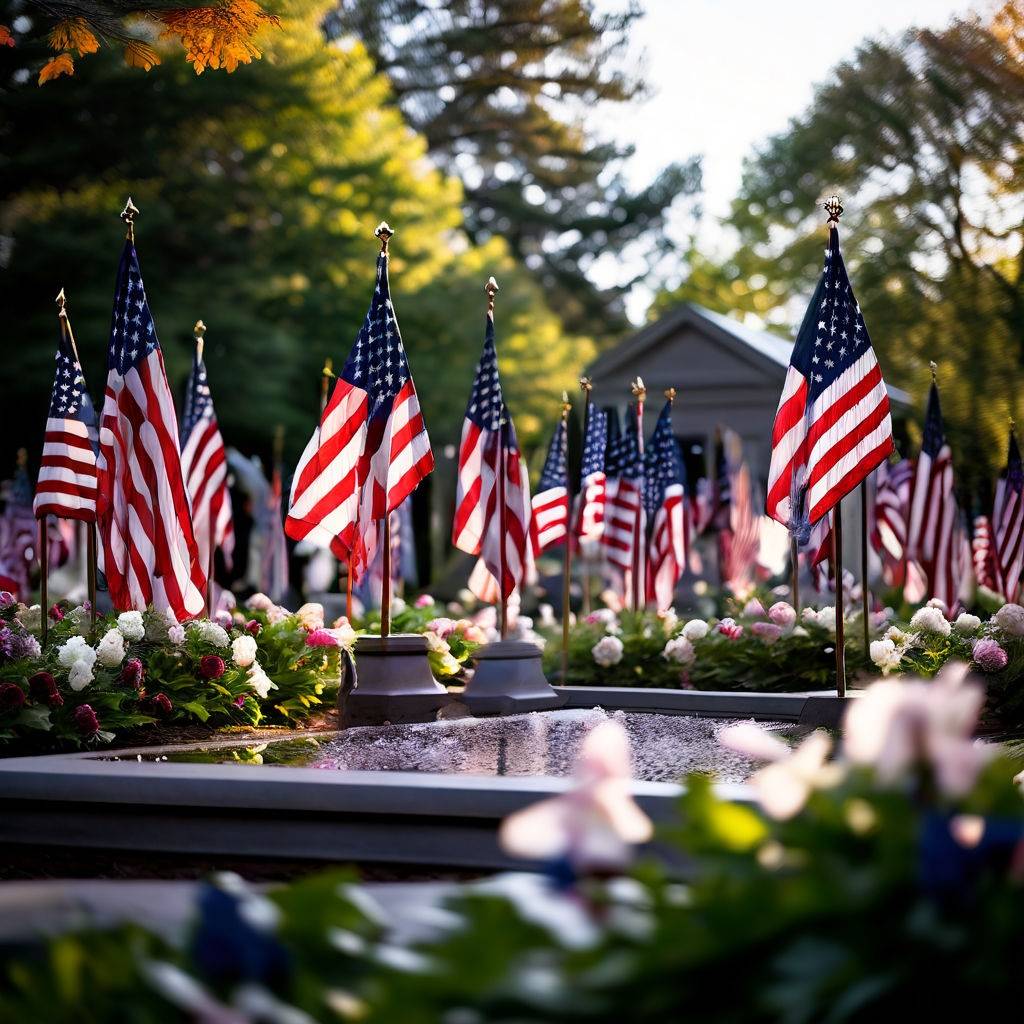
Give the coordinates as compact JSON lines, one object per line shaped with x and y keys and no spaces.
{"x":934,"y":538}
{"x":274,"y":557}
{"x":1008,"y":525}
{"x":719,"y":508}
{"x":819,"y":552}
{"x":889,"y":529}
{"x":665,"y":506}
{"x":150,"y":554}
{"x":550,"y":523}
{"x":739,"y":546}
{"x":590,"y":517}
{"x":205,"y":468}
{"x":832,"y":427}
{"x":982,"y":555}
{"x":371,"y":448}
{"x":624,"y":480}
{"x":66,"y":486}
{"x":488,"y":437}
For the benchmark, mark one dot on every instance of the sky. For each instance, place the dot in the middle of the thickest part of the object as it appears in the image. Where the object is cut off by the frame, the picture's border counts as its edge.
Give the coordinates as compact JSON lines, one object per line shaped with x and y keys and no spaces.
{"x":728,"y":73}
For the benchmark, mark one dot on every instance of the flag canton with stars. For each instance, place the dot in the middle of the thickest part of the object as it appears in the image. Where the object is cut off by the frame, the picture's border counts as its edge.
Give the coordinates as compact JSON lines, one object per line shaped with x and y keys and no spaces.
{"x":663,"y":463}
{"x":556,"y":469}
{"x":486,"y":404}
{"x":1014,"y":468}
{"x":833,"y":335}
{"x":622,"y":459}
{"x":70,"y":400}
{"x":132,"y":333}
{"x":198,"y":402}
{"x":595,"y":442}
{"x":934,"y":432}
{"x":377,"y":363}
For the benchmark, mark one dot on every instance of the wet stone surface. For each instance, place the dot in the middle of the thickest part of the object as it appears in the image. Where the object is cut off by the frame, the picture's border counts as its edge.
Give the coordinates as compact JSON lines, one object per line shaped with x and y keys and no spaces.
{"x":665,"y":747}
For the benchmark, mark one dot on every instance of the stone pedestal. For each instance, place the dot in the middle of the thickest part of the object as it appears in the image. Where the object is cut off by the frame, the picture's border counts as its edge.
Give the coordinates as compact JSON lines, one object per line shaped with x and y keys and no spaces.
{"x":393,"y":683}
{"x":509,"y":680}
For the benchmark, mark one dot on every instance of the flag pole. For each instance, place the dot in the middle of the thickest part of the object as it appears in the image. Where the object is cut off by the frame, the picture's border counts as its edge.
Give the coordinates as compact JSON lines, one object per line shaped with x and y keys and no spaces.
{"x":586,"y":386}
{"x":44,"y":568}
{"x":567,"y":567}
{"x":640,"y":393}
{"x":794,"y":573}
{"x":384,"y":233}
{"x":90,"y":526}
{"x":199,"y":332}
{"x":865,"y":592}
{"x":491,"y":289}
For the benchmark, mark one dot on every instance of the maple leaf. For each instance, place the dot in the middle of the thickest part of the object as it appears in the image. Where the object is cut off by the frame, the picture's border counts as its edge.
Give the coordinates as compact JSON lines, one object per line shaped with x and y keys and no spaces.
{"x":138,"y":54}
{"x":218,"y":36}
{"x":62,"y":64}
{"x":73,"y":34}
{"x":6,"y":39}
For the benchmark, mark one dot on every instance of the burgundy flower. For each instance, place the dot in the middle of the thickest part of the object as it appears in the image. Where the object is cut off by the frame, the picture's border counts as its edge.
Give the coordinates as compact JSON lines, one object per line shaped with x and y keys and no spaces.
{"x":240,"y":701}
{"x":12,"y":697}
{"x":253,"y":627}
{"x":132,"y":673}
{"x":159,"y":705}
{"x":42,"y":688}
{"x":211,"y":666}
{"x":86,"y":721}
{"x":56,"y":613}
{"x":989,"y":656}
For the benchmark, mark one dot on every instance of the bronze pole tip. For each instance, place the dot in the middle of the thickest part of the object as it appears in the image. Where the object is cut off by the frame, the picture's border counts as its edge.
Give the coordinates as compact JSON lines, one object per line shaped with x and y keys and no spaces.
{"x":670,"y":394}
{"x":639,"y":389}
{"x":586,"y":384}
{"x":384,"y":232}
{"x":834,"y":208}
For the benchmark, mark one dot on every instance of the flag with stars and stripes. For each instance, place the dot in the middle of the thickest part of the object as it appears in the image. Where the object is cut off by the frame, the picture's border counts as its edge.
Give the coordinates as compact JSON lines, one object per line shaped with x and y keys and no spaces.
{"x":590,"y":515}
{"x":819,"y":551}
{"x":982,"y":560}
{"x":1008,"y":525}
{"x":550,"y":520}
{"x":624,"y":521}
{"x":934,"y":537}
{"x":274,"y":556}
{"x":66,"y":486}
{"x":889,"y":529}
{"x":149,"y":550}
{"x":488,"y":440}
{"x":205,"y":468}
{"x":665,"y":507}
{"x":832,"y":427}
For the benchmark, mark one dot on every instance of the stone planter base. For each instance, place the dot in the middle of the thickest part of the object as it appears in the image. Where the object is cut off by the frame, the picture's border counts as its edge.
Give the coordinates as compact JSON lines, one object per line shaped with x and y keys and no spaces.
{"x":509,"y":680}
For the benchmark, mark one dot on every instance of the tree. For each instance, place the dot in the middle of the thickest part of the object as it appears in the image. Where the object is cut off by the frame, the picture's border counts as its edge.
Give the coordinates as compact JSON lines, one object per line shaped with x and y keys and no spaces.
{"x":924,"y":138}
{"x":259,"y":194}
{"x":497,"y":88}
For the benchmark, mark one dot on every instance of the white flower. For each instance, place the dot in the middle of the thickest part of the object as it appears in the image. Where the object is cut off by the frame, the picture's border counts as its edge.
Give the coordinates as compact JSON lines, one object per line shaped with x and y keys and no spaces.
{"x":343,"y":632}
{"x":398,"y":605}
{"x":110,"y":650}
{"x":211,"y":633}
{"x":894,"y":726}
{"x":435,"y":643}
{"x":176,"y":635}
{"x":547,"y":615}
{"x":80,"y":675}
{"x":930,"y":619}
{"x":900,"y":637}
{"x":679,"y":650}
{"x":885,"y":654}
{"x":784,"y":785}
{"x":30,"y":618}
{"x":311,"y":616}
{"x":607,"y":651}
{"x":937,"y":602}
{"x":1010,"y":619}
{"x":260,"y":682}
{"x":593,"y":826}
{"x":276,"y":614}
{"x":695,"y":629}
{"x":966,"y":623}
{"x":131,"y":625}
{"x":826,"y":618}
{"x":259,"y":602}
{"x":243,"y":650}
{"x":75,"y":649}
{"x":669,"y":620}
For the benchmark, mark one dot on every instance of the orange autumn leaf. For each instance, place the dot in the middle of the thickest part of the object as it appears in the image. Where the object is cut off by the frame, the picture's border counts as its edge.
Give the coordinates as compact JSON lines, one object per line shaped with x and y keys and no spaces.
{"x":73,"y":34}
{"x":6,"y":39}
{"x":138,"y":55}
{"x":62,"y":64}
{"x":218,"y":36}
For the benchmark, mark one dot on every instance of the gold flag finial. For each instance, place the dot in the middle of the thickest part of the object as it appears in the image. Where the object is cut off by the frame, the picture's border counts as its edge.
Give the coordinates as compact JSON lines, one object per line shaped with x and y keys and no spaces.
{"x":566,"y":405}
{"x":198,"y":333}
{"x":934,"y":367}
{"x":834,"y":208}
{"x":491,"y":288}
{"x":128,"y":215}
{"x":384,"y":232}
{"x":639,"y":389}
{"x":328,"y":370}
{"x":586,"y":385}
{"x":62,"y":303}
{"x":670,"y":394}
{"x":200,"y":329}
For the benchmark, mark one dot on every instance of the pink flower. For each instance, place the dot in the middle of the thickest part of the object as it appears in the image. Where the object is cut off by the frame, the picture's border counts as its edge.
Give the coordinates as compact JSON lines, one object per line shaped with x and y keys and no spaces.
{"x":989,"y":656}
{"x":423,"y":601}
{"x":321,"y":638}
{"x":253,"y":628}
{"x":222,"y":618}
{"x":85,"y":720}
{"x":783,"y":614}
{"x":593,"y":826}
{"x":730,"y":629}
{"x":470,"y":633}
{"x":442,"y":627}
{"x":56,"y":613}
{"x":766,"y":631}
{"x":753,"y":609}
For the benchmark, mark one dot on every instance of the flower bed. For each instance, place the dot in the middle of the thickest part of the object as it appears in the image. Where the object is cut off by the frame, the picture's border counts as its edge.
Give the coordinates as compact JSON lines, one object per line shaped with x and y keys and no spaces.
{"x":261,"y":666}
{"x":870,"y":887}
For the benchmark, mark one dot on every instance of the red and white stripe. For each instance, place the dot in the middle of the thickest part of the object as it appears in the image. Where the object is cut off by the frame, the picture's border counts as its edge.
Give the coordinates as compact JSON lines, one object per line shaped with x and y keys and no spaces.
{"x":981,"y":554}
{"x":205,"y":469}
{"x":324,"y":503}
{"x":550,"y":521}
{"x":889,"y":527}
{"x":149,"y":549}
{"x":1008,"y":551}
{"x":934,"y":538}
{"x":670,"y":543}
{"x":590,"y":517}
{"x":623,"y":513}
{"x":740,"y":545}
{"x":66,"y":486}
